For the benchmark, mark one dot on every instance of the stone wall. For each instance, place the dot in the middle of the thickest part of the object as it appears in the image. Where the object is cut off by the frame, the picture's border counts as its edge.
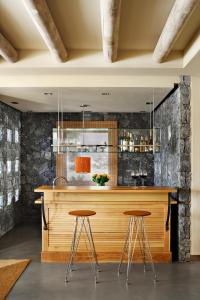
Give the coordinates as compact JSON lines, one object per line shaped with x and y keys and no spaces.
{"x":38,"y":159}
{"x":172,"y":166}
{"x":167,"y":162}
{"x":185,"y":171}
{"x":10,"y":203}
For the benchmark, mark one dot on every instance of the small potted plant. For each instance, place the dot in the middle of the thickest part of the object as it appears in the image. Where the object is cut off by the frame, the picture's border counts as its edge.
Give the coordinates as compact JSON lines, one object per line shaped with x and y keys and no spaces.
{"x":100,"y":179}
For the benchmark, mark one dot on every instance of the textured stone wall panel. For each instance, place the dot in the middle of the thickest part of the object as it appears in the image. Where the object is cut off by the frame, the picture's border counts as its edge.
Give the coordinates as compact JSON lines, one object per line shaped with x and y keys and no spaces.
{"x":173,"y":164}
{"x":9,"y":183}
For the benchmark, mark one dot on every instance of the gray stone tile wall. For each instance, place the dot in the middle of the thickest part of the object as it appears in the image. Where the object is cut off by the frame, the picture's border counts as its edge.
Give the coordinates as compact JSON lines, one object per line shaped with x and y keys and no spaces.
{"x":10,"y":203}
{"x":172,"y":166}
{"x":128,"y":162}
{"x":38,"y":159}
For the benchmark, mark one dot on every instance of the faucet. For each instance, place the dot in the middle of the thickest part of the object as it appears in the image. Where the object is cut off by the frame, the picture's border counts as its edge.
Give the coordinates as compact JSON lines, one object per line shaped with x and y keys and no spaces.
{"x":59,"y":177}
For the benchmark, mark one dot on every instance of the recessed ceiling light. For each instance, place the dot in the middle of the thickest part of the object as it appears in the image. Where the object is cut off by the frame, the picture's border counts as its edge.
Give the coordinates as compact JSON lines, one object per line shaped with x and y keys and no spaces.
{"x":14,"y":102}
{"x":84,"y":105}
{"x":48,"y":93}
{"x":106,"y":94}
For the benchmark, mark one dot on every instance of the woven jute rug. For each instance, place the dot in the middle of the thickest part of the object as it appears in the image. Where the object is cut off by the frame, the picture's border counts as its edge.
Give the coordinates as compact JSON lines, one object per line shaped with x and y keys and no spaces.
{"x":10,"y":271}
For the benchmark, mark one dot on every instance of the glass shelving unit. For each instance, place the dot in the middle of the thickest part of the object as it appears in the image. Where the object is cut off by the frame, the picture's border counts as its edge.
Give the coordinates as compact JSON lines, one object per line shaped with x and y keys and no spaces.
{"x":101,"y":140}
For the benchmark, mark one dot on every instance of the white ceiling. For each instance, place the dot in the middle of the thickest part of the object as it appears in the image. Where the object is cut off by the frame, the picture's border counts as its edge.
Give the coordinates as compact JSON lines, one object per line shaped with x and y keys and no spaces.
{"x":118,"y":100}
{"x":79,"y":24}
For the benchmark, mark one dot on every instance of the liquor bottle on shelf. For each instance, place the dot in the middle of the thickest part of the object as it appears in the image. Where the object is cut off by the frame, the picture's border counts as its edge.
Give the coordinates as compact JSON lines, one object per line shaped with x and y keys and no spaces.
{"x":122,"y":142}
{"x":136,"y":142}
{"x":151,"y":141}
{"x":146,"y":144}
{"x":142,"y":144}
{"x":131,"y":143}
{"x":128,"y":138}
{"x":125,"y":143}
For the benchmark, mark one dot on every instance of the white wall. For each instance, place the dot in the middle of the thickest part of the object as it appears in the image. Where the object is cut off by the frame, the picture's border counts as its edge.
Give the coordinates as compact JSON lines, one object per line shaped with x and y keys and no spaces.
{"x":195,"y":204}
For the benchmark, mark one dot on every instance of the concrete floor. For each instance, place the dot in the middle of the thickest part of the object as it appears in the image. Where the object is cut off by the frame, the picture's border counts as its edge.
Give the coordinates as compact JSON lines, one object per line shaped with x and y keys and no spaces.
{"x":46,"y":281}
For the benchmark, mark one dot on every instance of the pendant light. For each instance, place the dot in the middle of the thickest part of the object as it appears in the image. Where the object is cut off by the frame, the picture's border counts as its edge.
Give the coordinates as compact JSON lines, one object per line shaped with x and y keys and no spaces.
{"x":153,"y":121}
{"x":150,"y":103}
{"x":83,"y":163}
{"x":58,"y":123}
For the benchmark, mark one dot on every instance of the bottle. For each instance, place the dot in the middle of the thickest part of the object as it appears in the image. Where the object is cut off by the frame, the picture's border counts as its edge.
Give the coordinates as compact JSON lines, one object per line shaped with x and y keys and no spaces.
{"x":142,"y":143}
{"x":136,"y":143}
{"x":131,"y":143}
{"x":151,"y":141}
{"x":127,"y":141}
{"x":146,"y":144}
{"x":122,"y":142}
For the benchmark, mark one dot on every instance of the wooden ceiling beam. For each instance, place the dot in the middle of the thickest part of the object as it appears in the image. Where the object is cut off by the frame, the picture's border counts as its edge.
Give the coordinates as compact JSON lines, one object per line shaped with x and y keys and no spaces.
{"x":110,"y":18}
{"x":43,"y":20}
{"x":7,"y":51}
{"x":178,"y":16}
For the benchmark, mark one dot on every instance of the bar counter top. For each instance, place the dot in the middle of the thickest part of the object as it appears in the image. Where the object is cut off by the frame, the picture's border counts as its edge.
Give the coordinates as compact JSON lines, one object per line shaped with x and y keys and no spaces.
{"x":105,"y":189}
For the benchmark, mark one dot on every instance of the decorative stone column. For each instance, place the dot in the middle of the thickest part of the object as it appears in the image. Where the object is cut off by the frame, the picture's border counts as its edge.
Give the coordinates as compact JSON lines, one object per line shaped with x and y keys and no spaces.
{"x":10,"y":149}
{"x":185,"y":171}
{"x":172,"y":166}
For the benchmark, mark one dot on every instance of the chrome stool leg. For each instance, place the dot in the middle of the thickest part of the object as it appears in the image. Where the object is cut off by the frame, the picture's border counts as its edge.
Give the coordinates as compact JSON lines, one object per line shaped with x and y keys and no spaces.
{"x":75,"y":242}
{"x":88,"y":232}
{"x":72,"y":251}
{"x":88,"y":247}
{"x":147,"y":246}
{"x":132,"y":247}
{"x":136,"y":232}
{"x":142,"y":245}
{"x":92,"y":243}
{"x":125,"y":246}
{"x":74,"y":246}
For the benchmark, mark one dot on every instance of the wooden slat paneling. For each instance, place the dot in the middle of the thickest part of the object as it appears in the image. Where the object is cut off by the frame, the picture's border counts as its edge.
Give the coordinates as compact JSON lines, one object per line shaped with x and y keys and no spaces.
{"x":109,"y":225}
{"x":112,"y":139}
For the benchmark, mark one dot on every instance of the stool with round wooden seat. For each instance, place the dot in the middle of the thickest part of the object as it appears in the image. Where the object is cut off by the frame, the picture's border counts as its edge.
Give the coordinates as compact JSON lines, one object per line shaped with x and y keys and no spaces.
{"x":82,"y":225}
{"x":136,"y":233}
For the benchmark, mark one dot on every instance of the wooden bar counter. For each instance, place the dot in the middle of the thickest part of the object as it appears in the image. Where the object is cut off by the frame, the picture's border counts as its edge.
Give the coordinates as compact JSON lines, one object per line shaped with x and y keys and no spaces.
{"x":109,"y":225}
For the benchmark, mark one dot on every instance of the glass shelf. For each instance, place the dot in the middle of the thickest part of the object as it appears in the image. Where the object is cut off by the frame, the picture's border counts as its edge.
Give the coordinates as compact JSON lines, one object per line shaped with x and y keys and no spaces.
{"x":102,"y":140}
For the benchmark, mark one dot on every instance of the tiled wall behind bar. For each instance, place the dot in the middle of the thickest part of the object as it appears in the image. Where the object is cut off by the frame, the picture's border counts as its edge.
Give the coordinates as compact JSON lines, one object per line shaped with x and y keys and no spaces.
{"x":10,"y":206}
{"x":38,"y":159}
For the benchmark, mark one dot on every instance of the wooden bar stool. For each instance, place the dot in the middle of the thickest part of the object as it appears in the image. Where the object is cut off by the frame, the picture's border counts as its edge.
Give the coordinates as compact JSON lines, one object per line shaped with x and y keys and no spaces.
{"x":136,"y":226}
{"x":82,"y":219}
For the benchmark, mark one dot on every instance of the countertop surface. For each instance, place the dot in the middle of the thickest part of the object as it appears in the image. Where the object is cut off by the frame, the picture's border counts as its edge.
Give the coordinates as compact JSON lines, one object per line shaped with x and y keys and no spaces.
{"x":105,"y":189}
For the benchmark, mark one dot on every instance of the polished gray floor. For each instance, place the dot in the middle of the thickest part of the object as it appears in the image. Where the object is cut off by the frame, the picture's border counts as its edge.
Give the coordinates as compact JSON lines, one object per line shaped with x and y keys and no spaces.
{"x":46,"y":281}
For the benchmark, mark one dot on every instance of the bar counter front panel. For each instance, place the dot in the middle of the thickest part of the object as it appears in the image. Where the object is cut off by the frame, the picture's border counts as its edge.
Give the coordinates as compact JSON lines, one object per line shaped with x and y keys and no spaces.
{"x":109,"y":225}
